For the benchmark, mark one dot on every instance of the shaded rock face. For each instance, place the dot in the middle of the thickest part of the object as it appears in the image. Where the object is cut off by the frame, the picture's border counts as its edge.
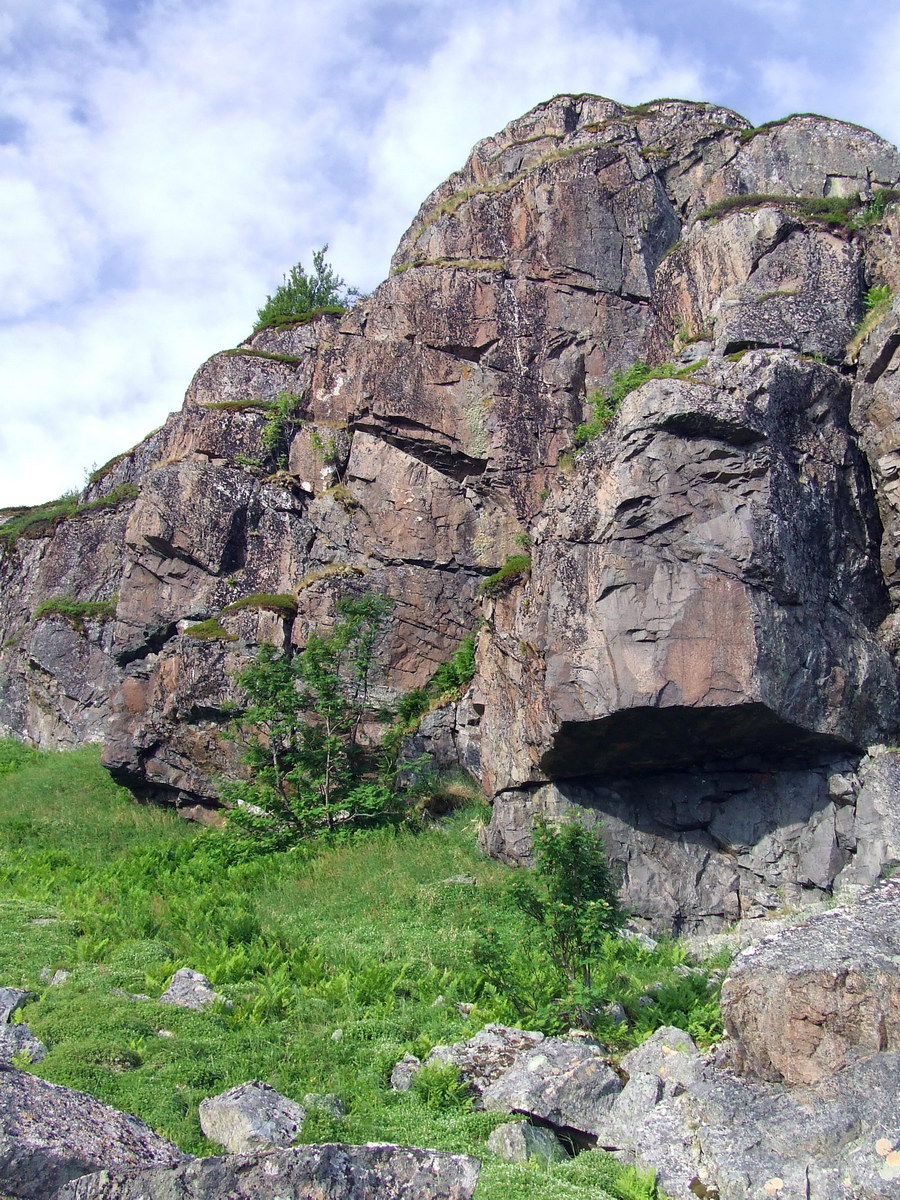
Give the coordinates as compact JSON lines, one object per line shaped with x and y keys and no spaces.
{"x":711,"y":598}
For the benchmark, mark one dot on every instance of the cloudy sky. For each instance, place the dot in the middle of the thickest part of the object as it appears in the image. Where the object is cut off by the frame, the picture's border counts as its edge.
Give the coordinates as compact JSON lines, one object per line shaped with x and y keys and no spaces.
{"x":164,"y":162}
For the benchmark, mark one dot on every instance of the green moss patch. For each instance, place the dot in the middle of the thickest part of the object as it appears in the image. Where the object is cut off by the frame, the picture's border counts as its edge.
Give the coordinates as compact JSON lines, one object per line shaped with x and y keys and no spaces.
{"x":278,"y":602}
{"x":516,"y":567}
{"x":211,"y":630}
{"x":76,"y":612}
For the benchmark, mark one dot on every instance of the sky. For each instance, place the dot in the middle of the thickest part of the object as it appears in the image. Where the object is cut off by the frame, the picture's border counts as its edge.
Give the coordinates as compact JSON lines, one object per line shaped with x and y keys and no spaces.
{"x":163,"y":163}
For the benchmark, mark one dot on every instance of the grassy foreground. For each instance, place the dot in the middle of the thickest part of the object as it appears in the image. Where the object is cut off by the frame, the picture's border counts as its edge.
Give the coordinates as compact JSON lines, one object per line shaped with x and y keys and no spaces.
{"x":336,"y":961}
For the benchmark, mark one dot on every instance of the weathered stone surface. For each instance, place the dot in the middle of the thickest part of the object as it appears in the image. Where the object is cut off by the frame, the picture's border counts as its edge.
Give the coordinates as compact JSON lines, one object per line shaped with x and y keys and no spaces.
{"x":50,"y":1135}
{"x":707,"y":593}
{"x":404,"y":1072}
{"x":11,"y":1000}
{"x":520,"y":1141}
{"x":699,"y":849}
{"x":325,"y":1102}
{"x":803,"y":1004}
{"x":18,"y":1044}
{"x":190,"y":989}
{"x":738,"y":1138}
{"x":251,"y":1117}
{"x":876,"y":820}
{"x":331,"y":1172}
{"x":567,"y":1084}
{"x":484,"y":1058}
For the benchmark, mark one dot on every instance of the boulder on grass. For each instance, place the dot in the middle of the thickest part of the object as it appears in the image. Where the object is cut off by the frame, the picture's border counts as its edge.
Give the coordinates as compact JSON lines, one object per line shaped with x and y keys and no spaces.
{"x":11,"y":1000}
{"x":251,"y":1117}
{"x":50,"y":1135}
{"x":190,"y":989}
{"x":520,"y":1141}
{"x":566,"y":1084}
{"x":331,"y":1172}
{"x":17,"y":1042}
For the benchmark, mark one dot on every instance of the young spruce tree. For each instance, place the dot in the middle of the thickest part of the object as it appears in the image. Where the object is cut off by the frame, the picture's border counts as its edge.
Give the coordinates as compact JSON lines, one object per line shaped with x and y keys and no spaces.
{"x":309,"y":771}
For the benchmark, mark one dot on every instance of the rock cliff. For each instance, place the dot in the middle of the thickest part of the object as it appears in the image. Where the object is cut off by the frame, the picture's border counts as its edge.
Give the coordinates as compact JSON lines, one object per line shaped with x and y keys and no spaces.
{"x":703,"y":647}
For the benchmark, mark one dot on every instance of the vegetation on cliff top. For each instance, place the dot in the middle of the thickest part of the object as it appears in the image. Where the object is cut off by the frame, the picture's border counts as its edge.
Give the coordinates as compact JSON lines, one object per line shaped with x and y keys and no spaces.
{"x":302,"y":296}
{"x":42,"y":519}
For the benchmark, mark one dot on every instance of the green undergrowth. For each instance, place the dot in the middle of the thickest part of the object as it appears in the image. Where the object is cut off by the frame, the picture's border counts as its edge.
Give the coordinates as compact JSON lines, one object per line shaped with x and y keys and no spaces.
{"x":337,"y":959}
{"x":516,"y":567}
{"x":76,"y":612}
{"x":277,"y":602}
{"x":210,"y":630}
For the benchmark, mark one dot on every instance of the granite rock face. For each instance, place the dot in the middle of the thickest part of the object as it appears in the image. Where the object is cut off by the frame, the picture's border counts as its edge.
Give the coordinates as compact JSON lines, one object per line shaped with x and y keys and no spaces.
{"x":803,"y":1004}
{"x":708,"y":630}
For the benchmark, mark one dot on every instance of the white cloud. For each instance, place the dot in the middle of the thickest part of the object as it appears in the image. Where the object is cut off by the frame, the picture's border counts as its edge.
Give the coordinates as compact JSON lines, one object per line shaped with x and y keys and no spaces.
{"x":180,"y":155}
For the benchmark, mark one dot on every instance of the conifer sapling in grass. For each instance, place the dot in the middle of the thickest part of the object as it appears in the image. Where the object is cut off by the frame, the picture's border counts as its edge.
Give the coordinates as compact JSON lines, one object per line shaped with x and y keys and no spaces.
{"x":311,"y":773}
{"x":571,"y":894}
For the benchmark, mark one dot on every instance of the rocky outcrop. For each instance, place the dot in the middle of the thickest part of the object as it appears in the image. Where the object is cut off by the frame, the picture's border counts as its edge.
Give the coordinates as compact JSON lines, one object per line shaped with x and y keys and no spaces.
{"x":331,"y":1172}
{"x":804,"y":1003}
{"x":706,"y":635}
{"x":50,"y":1135}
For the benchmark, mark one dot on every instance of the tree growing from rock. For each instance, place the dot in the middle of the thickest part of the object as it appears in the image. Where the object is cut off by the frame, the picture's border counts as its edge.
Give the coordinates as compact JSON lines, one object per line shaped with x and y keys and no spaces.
{"x":303,"y":295}
{"x":310,"y":771}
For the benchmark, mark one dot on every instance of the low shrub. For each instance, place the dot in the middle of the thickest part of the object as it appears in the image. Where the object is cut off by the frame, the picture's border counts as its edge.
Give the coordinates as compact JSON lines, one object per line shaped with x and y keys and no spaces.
{"x":302,"y":296}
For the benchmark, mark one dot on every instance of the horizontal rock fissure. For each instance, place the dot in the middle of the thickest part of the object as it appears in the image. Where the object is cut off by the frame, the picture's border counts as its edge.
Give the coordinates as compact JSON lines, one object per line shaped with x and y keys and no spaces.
{"x":649,"y":740}
{"x":454,"y":464}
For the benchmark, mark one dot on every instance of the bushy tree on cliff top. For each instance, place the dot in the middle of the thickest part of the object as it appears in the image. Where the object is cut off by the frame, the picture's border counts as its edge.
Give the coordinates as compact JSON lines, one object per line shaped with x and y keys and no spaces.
{"x":302,"y":296}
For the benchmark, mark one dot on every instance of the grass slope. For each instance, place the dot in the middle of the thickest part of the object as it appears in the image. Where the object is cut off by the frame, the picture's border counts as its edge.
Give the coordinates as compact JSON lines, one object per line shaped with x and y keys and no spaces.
{"x":336,"y":963}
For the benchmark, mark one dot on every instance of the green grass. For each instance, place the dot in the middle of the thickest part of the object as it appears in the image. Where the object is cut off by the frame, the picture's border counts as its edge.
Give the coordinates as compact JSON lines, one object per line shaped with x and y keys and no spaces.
{"x":76,"y":612}
{"x":845,"y":211}
{"x":42,"y":519}
{"x":363,"y":936}
{"x":605,"y":405}
{"x":516,"y":567}
{"x":210,"y":630}
{"x":278,"y":602}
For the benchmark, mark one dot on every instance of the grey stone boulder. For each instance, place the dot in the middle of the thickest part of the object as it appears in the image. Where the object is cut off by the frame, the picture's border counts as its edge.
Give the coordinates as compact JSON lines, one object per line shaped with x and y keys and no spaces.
{"x":190,"y":989}
{"x":662,"y":1067}
{"x":329,"y":1172}
{"x":486,"y":1056}
{"x":801,"y":1005}
{"x":50,"y":1135}
{"x":520,"y":1141}
{"x":404,"y":1072}
{"x":251,"y":1117}
{"x":18,"y":1042}
{"x":566,"y":1084}
{"x":11,"y":1000}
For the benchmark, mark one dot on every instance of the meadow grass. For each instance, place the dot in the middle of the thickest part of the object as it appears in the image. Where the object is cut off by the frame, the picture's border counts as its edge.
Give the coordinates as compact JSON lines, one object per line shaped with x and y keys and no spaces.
{"x":337,"y":960}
